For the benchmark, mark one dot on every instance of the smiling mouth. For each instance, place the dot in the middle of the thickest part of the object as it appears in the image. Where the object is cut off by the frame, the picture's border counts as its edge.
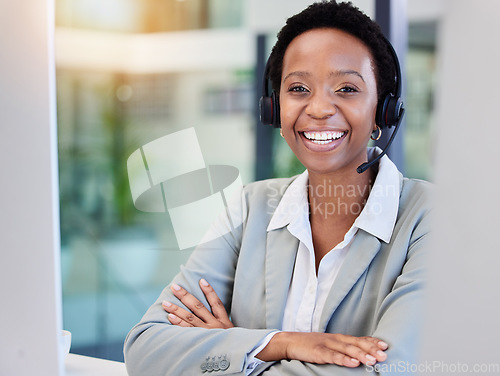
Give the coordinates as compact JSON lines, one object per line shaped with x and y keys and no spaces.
{"x":324,"y":137}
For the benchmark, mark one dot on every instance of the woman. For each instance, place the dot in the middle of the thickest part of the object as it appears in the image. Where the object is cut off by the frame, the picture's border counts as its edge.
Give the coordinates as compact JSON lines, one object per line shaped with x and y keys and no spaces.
{"x":325,"y":274}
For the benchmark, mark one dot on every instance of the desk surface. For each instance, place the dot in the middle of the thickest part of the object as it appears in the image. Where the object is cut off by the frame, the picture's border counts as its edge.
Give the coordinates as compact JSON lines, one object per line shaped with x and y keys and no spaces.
{"x":78,"y":365}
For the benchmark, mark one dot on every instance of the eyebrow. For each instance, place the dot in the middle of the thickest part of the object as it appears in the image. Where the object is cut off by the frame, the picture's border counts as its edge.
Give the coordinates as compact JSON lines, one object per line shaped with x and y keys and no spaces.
{"x":337,"y":73}
{"x":344,"y":72}
{"x":296,"y":73}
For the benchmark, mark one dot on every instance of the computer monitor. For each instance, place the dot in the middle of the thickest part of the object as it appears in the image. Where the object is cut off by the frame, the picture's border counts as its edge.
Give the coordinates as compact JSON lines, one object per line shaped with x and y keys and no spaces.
{"x":31,"y":318}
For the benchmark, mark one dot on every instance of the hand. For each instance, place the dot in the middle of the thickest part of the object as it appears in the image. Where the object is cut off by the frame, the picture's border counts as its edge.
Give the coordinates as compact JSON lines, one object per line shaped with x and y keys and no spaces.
{"x":198,"y":316}
{"x":324,"y":348}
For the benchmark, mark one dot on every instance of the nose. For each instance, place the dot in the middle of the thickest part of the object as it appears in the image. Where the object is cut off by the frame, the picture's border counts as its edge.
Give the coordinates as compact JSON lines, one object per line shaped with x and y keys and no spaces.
{"x":321,"y":106}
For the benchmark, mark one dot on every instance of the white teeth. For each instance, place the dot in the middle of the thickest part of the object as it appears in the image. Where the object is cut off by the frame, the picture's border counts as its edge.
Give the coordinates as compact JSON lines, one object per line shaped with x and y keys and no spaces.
{"x":323,"y":137}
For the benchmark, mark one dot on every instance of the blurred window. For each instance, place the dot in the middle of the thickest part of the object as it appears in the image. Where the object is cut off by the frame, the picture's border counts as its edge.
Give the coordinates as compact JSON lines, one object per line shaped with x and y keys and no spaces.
{"x":116,"y":258}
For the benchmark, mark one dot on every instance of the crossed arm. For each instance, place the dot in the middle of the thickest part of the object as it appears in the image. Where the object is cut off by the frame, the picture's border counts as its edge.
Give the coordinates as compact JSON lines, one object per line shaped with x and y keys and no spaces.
{"x":179,"y":341}
{"x":318,"y":348}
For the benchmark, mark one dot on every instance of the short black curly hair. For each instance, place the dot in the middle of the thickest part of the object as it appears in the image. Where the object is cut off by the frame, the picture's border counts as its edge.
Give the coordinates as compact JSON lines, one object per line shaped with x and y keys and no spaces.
{"x":345,"y":17}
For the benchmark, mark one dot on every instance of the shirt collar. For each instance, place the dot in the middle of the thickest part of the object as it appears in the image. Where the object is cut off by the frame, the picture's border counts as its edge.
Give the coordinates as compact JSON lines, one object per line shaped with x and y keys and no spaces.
{"x":293,"y":204}
{"x":378,"y":217}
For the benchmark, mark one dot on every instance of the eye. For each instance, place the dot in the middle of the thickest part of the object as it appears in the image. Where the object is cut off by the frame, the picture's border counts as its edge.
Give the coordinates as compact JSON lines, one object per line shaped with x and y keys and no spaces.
{"x":348,"y":89}
{"x":298,"y":89}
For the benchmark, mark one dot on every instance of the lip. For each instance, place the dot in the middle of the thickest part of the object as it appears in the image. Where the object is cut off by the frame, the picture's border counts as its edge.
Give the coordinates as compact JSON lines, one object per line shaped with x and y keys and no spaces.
{"x":328,"y":146}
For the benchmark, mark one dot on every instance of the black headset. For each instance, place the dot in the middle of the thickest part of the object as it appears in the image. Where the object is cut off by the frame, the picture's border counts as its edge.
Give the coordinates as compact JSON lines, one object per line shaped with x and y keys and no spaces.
{"x":389,"y":112}
{"x":269,"y":103}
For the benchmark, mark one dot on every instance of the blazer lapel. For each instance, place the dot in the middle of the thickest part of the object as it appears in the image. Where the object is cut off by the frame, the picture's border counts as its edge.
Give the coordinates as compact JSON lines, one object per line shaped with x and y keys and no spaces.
{"x":361,"y":253}
{"x":281,"y":251}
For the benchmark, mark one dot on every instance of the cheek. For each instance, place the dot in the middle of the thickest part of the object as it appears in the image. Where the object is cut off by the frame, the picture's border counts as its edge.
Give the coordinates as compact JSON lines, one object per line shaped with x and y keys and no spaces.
{"x":288,"y":114}
{"x":365,"y":114}
{"x":371,"y":116}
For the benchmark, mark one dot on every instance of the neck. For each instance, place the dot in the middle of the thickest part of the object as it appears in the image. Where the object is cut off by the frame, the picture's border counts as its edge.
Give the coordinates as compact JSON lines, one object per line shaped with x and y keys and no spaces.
{"x":342,"y":194}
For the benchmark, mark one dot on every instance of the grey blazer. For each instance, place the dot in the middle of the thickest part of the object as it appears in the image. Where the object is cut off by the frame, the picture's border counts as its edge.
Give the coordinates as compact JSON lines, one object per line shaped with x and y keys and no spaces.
{"x":378,"y":292}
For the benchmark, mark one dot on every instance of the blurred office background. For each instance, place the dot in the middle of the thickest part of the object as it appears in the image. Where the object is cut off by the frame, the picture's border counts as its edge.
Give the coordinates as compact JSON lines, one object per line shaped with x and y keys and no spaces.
{"x":131,"y":71}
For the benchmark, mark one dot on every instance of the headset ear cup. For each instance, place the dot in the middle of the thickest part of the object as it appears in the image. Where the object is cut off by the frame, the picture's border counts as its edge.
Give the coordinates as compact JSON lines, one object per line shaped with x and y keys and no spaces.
{"x":381,"y":112}
{"x":266,"y":110}
{"x":270,"y":110}
{"x":393,"y":111}
{"x":388,"y":111}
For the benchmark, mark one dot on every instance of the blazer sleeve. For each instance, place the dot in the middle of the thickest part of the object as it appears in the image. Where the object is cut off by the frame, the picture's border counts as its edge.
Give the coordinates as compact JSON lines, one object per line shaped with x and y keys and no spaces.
{"x":156,"y":347}
{"x":399,"y":318}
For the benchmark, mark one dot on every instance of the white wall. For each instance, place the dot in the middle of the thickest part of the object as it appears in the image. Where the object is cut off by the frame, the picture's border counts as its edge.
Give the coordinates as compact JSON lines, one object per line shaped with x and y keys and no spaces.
{"x":30,"y":318}
{"x":463,"y":310}
{"x":270,"y":15}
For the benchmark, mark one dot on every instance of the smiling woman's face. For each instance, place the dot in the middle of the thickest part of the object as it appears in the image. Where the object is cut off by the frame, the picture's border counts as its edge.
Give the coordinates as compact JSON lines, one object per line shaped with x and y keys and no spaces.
{"x":328,"y":100}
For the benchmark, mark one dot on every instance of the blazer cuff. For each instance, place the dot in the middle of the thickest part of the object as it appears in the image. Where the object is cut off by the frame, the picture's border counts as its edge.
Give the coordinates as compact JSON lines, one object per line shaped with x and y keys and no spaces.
{"x":251,"y":361}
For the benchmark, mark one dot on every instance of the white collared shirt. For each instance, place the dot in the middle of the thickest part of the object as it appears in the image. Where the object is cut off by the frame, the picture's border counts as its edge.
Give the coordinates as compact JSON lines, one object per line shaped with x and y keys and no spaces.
{"x":308,"y":292}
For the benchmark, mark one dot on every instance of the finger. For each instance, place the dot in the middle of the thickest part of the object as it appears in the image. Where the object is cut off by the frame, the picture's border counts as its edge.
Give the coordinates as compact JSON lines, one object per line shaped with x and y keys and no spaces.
{"x":381,"y":344}
{"x":328,"y":356}
{"x":193,"y":304}
{"x":350,"y":362}
{"x":341,"y":346}
{"x":365,"y":349}
{"x":342,"y":360}
{"x":347,"y":361}
{"x":375,"y":347}
{"x":179,"y":313}
{"x":218,"y":309}
{"x":352,"y":352}
{"x":177,"y":321}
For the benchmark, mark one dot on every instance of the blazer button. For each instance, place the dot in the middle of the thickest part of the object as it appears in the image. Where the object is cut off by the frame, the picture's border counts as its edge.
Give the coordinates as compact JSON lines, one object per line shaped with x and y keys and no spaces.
{"x":215,"y":364}
{"x":224,"y":364}
{"x":203,"y":367}
{"x":210,"y":366}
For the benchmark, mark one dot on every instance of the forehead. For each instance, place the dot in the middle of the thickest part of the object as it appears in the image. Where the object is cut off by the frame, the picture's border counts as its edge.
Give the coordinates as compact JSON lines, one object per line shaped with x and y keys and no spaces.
{"x":333,"y":47}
